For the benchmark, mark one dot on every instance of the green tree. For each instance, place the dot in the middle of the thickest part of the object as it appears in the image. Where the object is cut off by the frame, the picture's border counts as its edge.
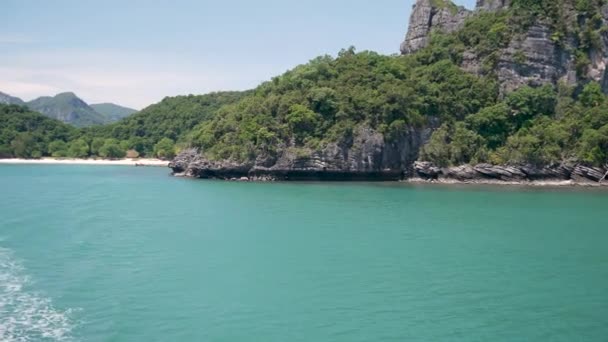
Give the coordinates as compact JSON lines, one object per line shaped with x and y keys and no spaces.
{"x":111,"y":149}
{"x":5,"y":151}
{"x":437,"y":149}
{"x":25,"y":146}
{"x":592,"y":95}
{"x":466,"y":146}
{"x":78,"y":149}
{"x":594,"y":146}
{"x":96,"y":145}
{"x":302,"y":122}
{"x":494,"y":124}
{"x":165,"y":149}
{"x":527,"y":103}
{"x":58,"y":149}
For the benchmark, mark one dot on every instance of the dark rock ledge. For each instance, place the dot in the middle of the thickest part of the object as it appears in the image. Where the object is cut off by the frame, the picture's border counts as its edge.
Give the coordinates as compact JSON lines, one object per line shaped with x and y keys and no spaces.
{"x":522,"y":174}
{"x":366,"y":156}
{"x":192,"y":164}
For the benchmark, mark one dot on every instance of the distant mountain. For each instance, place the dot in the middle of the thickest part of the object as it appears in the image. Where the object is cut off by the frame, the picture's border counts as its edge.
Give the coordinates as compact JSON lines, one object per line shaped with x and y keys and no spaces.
{"x":67,"y":107}
{"x":7,"y":99}
{"x":112,"y":111}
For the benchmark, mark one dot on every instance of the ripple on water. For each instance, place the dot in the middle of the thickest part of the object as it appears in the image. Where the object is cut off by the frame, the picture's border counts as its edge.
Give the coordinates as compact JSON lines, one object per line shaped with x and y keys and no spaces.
{"x":26,"y":315}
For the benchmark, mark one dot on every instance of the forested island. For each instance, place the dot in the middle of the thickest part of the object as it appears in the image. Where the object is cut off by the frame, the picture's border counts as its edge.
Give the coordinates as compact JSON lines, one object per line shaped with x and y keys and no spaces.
{"x":513,"y":91}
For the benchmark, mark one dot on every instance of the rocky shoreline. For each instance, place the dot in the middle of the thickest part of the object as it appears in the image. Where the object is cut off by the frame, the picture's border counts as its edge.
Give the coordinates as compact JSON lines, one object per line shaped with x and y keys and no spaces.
{"x":366,"y":156}
{"x":193,"y":165}
{"x":552,"y":175}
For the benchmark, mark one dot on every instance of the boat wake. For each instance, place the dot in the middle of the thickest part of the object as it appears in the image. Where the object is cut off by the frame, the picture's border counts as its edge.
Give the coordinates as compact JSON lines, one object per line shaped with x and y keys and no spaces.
{"x":26,"y":315}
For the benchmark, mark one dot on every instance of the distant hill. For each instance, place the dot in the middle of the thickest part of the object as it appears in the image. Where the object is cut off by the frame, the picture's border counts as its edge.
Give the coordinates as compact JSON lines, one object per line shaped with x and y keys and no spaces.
{"x":155,"y":131}
{"x":67,"y":107}
{"x":7,"y":99}
{"x":70,"y":109}
{"x":172,"y":118}
{"x":112,"y":111}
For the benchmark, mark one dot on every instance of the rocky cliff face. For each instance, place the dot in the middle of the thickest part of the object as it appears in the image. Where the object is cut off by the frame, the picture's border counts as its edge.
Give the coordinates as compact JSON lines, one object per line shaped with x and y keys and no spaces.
{"x":429,"y":15}
{"x":441,"y":15}
{"x":368,"y":156}
{"x":533,"y":58}
{"x":599,"y":59}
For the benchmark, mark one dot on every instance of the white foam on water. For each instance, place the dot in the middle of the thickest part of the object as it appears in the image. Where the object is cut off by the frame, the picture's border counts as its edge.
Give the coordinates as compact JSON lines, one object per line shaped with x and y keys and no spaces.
{"x":26,"y":315}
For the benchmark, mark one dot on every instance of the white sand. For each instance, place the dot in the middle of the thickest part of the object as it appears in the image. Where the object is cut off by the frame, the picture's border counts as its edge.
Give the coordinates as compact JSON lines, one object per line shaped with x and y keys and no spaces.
{"x":132,"y":162}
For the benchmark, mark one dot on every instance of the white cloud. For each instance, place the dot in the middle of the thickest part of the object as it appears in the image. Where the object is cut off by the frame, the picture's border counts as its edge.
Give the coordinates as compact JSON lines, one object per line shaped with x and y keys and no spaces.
{"x":130,"y":79}
{"x":26,"y":89}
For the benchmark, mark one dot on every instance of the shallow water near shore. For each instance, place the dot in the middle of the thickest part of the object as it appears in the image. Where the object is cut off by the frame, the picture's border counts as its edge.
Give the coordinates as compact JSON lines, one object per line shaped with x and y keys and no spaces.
{"x":117,"y":253}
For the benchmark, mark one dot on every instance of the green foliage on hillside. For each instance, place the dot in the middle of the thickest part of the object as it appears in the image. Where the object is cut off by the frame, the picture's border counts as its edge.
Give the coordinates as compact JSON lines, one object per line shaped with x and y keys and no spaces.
{"x":532,"y":125}
{"x":26,"y":134}
{"x":540,"y":126}
{"x":171,"y":118}
{"x":323,"y":101}
{"x":112,"y":112}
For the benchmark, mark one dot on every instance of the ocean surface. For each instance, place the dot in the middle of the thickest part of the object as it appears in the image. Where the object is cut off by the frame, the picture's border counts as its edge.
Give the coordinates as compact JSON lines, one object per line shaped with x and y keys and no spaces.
{"x":105,"y":253}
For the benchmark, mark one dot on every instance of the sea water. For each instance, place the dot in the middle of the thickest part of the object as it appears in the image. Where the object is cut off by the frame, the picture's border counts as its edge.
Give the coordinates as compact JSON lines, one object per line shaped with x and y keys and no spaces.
{"x":105,"y":253}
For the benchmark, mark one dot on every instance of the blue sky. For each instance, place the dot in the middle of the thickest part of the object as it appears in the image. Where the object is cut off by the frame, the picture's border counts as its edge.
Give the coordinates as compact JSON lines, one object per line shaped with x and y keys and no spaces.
{"x":135,"y":52}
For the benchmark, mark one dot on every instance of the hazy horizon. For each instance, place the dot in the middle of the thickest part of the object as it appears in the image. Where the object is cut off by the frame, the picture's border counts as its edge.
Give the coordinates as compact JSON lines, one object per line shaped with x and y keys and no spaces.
{"x":135,"y":54}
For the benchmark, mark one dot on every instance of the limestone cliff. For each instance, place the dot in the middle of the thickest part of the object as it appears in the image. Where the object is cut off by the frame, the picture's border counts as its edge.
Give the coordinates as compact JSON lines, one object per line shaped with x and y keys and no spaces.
{"x":534,"y":58}
{"x":428,"y":15}
{"x":367,"y":156}
{"x":441,"y":15}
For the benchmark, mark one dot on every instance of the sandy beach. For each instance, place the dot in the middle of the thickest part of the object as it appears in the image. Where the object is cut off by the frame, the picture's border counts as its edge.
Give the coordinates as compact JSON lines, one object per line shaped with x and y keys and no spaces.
{"x":131,"y":162}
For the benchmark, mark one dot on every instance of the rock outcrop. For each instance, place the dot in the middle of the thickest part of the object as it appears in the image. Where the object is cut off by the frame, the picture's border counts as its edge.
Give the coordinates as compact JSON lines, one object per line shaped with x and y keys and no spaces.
{"x":533,"y":58}
{"x":441,"y":15}
{"x":429,"y":15}
{"x":484,"y":173}
{"x":367,"y":156}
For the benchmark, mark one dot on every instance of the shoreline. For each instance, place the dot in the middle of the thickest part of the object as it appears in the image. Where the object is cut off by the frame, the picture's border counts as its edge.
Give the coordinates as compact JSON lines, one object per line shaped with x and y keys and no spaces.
{"x":149,"y":162}
{"x":538,"y":183}
{"x":67,"y":161}
{"x":557,"y":183}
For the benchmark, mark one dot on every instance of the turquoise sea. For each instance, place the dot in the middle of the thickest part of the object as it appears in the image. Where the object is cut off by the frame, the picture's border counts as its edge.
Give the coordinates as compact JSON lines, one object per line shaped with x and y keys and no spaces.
{"x":103,"y":253}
